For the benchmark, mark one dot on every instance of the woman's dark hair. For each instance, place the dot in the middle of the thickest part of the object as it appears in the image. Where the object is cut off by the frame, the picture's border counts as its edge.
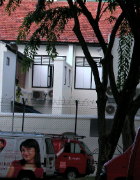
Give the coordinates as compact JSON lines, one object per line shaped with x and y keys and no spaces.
{"x":32,"y":143}
{"x":4,"y":143}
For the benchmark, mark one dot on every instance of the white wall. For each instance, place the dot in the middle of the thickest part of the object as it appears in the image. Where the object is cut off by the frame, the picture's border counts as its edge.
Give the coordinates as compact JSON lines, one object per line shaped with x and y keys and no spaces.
{"x":46,"y":123}
{"x":65,"y":92}
{"x":87,"y":97}
{"x":54,"y":124}
{"x":95,"y":51}
{"x":1,"y":70}
{"x":7,"y":77}
{"x":46,"y":106}
{"x":61,"y":86}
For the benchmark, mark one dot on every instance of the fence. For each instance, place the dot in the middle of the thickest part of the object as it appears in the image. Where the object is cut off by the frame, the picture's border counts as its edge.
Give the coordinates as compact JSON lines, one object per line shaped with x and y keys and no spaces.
{"x":49,"y":106}
{"x":55,"y":122}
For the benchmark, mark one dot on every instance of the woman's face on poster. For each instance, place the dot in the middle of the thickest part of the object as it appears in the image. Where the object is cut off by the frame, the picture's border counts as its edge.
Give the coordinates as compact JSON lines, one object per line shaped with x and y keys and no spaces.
{"x":28,"y":154}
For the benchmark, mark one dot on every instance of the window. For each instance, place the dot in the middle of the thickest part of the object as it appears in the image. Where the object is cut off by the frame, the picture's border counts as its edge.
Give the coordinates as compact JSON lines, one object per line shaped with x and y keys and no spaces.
{"x":49,"y":146}
{"x":65,"y":76}
{"x":69,"y":82}
{"x":8,"y":61}
{"x":72,"y":148}
{"x":42,"y":71}
{"x":75,"y":148}
{"x":84,"y":78}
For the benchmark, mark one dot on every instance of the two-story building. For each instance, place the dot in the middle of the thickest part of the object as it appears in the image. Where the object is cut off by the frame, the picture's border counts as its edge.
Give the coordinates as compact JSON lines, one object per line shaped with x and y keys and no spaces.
{"x":50,"y":86}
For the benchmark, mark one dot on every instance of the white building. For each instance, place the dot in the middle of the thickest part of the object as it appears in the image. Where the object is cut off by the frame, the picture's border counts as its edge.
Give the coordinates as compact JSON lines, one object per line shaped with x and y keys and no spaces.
{"x":50,"y":86}
{"x":7,"y":76}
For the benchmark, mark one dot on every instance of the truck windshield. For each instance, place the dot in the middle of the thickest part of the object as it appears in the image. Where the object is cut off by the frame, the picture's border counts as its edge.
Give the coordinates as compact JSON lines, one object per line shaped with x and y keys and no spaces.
{"x":86,"y":148}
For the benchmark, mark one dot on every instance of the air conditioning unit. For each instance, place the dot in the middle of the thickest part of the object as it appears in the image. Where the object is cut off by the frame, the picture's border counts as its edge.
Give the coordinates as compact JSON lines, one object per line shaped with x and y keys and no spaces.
{"x":38,"y":95}
{"x":50,"y":93}
{"x":110,"y":108}
{"x":109,"y":92}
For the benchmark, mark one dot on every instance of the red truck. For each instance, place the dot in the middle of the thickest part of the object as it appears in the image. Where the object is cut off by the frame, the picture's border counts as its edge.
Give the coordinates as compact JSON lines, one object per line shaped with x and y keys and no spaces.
{"x":73,"y":157}
{"x":124,"y":166}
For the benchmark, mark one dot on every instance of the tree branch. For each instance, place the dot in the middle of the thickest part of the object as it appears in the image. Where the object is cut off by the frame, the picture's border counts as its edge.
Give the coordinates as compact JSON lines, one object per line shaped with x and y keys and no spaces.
{"x":41,"y":4}
{"x":129,"y":10}
{"x":81,"y":39}
{"x":110,"y":64}
{"x":98,"y":10}
{"x":94,"y":25}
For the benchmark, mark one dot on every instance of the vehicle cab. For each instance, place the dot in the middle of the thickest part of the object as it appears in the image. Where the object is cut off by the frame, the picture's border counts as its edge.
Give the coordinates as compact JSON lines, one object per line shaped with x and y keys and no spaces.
{"x":73,"y":157}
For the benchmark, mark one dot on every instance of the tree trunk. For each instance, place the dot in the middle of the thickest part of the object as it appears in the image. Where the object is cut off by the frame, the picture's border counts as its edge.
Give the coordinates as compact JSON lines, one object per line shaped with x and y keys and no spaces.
{"x":102,"y":141}
{"x":118,"y":122}
{"x":128,"y":132}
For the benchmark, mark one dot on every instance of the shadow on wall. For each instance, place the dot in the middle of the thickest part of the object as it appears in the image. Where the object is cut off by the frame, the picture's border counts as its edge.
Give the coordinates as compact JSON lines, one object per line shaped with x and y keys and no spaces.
{"x":19,"y":107}
{"x":94,"y":126}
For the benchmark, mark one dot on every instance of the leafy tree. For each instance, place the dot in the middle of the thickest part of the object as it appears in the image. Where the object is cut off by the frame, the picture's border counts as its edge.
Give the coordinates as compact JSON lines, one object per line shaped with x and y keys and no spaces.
{"x":51,"y":23}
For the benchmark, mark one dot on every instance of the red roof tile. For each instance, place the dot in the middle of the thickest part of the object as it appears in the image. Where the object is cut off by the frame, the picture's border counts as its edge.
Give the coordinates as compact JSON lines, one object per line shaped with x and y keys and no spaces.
{"x":9,"y":24}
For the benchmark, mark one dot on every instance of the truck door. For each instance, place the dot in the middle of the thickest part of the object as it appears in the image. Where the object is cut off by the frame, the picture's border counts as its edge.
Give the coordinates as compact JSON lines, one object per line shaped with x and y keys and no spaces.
{"x":73,"y":157}
{"x":49,"y":160}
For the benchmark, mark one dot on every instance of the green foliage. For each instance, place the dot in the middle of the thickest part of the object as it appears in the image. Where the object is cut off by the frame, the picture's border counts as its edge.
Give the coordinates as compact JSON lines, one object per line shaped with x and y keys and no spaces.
{"x":43,"y":24}
{"x":12,"y":5}
{"x":124,"y":51}
{"x":48,"y":24}
{"x":112,"y":4}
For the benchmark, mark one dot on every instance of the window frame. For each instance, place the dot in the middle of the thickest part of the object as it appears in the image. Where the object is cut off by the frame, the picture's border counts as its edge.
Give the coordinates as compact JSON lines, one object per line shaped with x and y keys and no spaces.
{"x":83,"y":65}
{"x":50,"y":76}
{"x":72,"y":147}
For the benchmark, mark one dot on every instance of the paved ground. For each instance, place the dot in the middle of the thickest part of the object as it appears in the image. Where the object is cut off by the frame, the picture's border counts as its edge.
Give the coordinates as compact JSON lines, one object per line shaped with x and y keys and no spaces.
{"x":55,"y":178}
{"x":62,"y":178}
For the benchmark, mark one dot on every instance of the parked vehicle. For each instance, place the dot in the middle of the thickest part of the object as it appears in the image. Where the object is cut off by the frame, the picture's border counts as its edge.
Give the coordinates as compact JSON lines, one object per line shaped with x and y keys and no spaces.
{"x":16,"y":149}
{"x":73,"y":157}
{"x":124,"y":166}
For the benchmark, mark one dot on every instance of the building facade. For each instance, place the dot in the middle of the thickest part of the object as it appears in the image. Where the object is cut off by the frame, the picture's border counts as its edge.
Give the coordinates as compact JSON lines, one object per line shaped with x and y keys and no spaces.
{"x":51,"y":86}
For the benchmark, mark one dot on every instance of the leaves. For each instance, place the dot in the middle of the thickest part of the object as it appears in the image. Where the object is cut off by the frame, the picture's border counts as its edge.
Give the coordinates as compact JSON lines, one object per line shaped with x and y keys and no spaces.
{"x":112,"y":4}
{"x":12,"y":5}
{"x":47,"y":26}
{"x":124,"y":50}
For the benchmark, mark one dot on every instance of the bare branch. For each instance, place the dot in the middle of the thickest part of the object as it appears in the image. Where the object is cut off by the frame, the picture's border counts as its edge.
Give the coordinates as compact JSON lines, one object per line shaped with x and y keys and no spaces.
{"x":99,"y":10}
